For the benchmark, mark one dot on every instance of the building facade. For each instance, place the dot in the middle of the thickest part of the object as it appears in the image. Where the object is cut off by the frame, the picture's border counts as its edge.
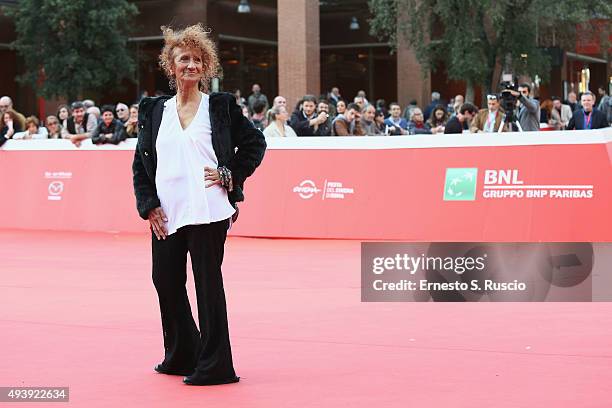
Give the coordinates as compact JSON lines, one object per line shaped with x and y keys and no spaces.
{"x":289,"y":47}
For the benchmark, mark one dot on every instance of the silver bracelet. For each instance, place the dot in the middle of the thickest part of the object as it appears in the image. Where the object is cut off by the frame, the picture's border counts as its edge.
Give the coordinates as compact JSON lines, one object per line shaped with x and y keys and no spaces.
{"x":225,"y":175}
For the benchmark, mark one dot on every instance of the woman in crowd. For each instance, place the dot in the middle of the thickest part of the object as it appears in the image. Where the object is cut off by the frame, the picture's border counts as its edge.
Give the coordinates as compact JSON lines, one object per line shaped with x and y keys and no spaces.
{"x":54,"y":127}
{"x":32,"y":130}
{"x":109,"y":130}
{"x":278,"y":127}
{"x":131,"y":126}
{"x":417,"y":124}
{"x":10,"y":125}
{"x":438,"y":119}
{"x":63,"y":113}
{"x":340,"y":107}
{"x":407,"y":114}
{"x":546,"y":108}
{"x":379,"y":120}
{"x":195,"y":151}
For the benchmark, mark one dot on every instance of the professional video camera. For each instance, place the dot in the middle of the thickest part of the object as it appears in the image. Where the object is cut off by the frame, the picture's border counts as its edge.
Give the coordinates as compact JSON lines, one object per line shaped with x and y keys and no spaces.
{"x":508,"y":101}
{"x":508,"y":104}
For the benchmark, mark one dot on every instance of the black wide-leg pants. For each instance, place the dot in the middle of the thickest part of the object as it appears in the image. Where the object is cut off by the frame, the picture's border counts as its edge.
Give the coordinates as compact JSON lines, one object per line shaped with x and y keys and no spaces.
{"x":207,"y":351}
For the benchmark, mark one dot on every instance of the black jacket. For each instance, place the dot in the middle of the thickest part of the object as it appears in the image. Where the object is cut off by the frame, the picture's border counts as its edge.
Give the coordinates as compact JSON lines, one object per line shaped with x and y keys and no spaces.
{"x":237,"y":144}
{"x":598,"y":120}
{"x":453,"y":125}
{"x":116,"y":127}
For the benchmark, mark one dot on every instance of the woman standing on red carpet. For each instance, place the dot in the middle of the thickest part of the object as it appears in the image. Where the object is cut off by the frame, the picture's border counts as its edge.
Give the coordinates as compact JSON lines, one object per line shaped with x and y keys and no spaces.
{"x":193,"y":155}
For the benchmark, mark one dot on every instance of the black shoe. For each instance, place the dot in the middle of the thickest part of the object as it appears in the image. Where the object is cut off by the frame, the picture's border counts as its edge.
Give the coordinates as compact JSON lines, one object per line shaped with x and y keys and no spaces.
{"x":198,"y":380}
{"x":160,"y":368}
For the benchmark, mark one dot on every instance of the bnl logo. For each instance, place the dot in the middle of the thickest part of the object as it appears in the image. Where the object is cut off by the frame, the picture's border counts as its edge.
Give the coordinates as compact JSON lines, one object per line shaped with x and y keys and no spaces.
{"x":460,"y":184}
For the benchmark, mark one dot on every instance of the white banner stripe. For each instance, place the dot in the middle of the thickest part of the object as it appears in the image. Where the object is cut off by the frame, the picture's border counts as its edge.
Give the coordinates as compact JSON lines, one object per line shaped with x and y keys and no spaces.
{"x":575,"y":137}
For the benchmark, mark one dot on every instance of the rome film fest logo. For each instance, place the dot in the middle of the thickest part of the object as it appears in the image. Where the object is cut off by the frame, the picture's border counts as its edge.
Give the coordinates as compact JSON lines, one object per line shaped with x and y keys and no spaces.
{"x":331,"y":190}
{"x":307,"y":189}
{"x":55,"y":189}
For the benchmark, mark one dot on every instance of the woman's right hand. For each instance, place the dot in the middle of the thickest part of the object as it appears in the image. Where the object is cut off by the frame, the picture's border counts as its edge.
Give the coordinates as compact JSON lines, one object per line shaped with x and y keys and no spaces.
{"x":158,"y":220}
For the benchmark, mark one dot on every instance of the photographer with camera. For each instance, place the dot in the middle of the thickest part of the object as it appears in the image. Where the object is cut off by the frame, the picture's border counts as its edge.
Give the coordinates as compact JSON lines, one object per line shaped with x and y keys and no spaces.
{"x":528,"y":114}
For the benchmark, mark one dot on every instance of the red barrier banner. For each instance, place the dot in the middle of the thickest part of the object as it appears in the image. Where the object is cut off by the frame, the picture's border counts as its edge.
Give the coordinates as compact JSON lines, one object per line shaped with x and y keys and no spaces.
{"x":552,"y":186}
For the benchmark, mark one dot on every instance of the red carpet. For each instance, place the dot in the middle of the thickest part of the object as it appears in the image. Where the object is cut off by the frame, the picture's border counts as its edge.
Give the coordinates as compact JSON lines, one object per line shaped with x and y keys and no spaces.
{"x":80,"y":310}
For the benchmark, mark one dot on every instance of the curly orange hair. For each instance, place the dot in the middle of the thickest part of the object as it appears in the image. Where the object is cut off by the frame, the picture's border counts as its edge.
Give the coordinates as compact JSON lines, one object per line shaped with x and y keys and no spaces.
{"x":194,"y":37}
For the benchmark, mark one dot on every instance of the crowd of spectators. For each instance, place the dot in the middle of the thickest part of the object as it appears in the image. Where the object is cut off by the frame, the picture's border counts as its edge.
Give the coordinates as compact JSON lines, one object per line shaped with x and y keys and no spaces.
{"x":80,"y":121}
{"x":329,"y":115}
{"x":333,"y":115}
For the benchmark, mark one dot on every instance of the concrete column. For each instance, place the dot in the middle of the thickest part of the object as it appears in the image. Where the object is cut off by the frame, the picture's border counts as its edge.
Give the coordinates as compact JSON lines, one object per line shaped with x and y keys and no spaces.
{"x":299,"y":56}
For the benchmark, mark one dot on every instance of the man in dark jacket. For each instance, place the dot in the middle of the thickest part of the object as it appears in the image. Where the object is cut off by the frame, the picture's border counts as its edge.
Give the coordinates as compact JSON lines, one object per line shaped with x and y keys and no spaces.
{"x":461,"y":121}
{"x":306,"y":122}
{"x":588,"y":117}
{"x":109,"y":130}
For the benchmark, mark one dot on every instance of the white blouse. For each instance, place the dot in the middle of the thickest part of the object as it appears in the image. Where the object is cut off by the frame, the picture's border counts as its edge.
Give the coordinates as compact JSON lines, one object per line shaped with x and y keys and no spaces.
{"x":181,"y":157}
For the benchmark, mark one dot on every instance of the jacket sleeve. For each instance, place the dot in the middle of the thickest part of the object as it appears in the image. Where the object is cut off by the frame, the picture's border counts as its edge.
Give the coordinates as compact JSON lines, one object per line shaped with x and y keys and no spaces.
{"x":146,"y":195}
{"x":19,"y":135}
{"x":95,"y":136}
{"x":301,"y":127}
{"x":555,"y":119}
{"x":572,"y":123}
{"x":340,"y":128}
{"x":249,"y":142}
{"x":91,"y":124}
{"x":530,"y":104}
{"x":359,"y":130}
{"x":324,"y":129}
{"x":119,"y":135}
{"x":476,"y":125}
{"x":566,"y":114}
{"x":600,"y":121}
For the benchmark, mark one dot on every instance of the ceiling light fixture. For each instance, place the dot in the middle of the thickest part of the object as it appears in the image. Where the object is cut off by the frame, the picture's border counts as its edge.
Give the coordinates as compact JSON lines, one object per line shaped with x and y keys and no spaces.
{"x":244,"y":7}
